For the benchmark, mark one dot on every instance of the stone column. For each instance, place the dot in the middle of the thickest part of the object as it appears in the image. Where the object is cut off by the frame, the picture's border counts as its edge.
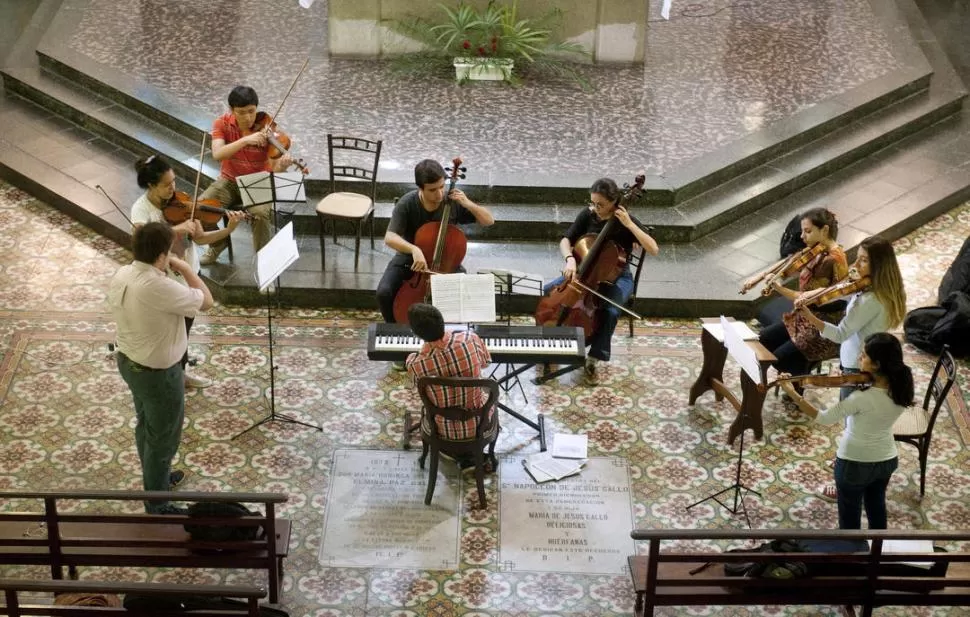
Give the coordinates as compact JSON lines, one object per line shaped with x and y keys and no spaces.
{"x":621,"y":30}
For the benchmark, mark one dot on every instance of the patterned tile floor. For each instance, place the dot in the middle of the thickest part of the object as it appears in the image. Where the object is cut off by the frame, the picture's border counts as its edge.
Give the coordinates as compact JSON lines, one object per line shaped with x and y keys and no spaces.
{"x":66,"y":423}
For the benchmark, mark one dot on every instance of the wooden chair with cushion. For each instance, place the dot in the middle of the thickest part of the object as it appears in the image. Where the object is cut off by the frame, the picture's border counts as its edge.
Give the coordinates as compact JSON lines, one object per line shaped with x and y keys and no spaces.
{"x":915,"y":426}
{"x":434,"y":417}
{"x":356,"y":208}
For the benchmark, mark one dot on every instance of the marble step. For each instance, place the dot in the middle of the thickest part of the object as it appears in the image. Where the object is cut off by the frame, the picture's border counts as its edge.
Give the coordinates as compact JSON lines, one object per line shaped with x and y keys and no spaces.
{"x":699,"y":176}
{"x":700,"y":215}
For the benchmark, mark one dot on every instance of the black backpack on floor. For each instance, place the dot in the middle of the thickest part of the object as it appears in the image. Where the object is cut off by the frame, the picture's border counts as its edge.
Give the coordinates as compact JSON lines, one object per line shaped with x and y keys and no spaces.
{"x":957,"y":277}
{"x":781,"y":570}
{"x":931,"y":327}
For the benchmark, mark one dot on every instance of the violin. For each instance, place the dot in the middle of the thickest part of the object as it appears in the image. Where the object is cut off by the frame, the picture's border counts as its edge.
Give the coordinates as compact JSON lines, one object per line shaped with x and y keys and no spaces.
{"x":784,"y":268}
{"x":180,"y":209}
{"x":278,"y":142}
{"x":826,"y":381}
{"x":601,"y":260}
{"x":441,"y":239}
{"x":846,"y":287}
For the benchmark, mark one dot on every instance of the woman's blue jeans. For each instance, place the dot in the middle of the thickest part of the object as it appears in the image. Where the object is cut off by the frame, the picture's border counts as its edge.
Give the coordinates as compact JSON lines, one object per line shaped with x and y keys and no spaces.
{"x":861,"y":484}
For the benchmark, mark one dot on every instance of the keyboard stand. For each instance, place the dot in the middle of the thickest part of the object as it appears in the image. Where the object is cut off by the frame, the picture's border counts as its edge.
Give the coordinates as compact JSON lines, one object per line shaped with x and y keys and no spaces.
{"x":506,"y":386}
{"x":541,"y":379}
{"x":540,"y":424}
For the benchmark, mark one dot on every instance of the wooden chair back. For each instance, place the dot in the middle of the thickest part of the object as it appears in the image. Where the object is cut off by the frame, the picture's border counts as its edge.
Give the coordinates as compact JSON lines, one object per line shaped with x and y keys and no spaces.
{"x":342,"y":148}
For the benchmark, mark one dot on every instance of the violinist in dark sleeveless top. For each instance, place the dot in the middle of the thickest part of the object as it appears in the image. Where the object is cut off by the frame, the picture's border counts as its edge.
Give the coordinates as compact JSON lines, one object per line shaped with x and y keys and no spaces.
{"x":604,"y":197}
{"x":411,"y":211}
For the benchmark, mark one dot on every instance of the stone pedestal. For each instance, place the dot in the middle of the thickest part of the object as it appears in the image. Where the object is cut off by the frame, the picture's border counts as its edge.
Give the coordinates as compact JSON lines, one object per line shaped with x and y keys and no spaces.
{"x":612,"y":30}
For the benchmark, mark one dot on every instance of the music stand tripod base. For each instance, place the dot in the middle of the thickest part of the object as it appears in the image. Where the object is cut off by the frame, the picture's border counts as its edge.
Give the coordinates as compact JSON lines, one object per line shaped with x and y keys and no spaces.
{"x":282,"y":247}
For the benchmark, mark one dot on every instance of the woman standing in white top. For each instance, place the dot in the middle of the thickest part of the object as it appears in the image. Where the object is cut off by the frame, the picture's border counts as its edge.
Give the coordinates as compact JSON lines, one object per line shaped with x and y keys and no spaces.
{"x":867,"y":455}
{"x":155,"y":175}
{"x":878,"y":309}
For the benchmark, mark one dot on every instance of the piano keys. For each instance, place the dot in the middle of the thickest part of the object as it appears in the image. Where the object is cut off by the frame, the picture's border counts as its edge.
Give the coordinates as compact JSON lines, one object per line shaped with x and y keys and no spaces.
{"x":506,"y":344}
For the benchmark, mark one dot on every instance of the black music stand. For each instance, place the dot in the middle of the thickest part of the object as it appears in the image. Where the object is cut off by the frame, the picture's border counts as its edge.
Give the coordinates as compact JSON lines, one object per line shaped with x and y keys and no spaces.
{"x":734,"y":342}
{"x":507,"y":284}
{"x":271,"y":261}
{"x":738,"y":488}
{"x":273,"y":188}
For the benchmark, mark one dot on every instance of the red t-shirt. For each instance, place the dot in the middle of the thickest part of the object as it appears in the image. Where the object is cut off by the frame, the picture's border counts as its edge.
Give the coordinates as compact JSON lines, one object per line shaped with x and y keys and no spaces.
{"x":249,"y":160}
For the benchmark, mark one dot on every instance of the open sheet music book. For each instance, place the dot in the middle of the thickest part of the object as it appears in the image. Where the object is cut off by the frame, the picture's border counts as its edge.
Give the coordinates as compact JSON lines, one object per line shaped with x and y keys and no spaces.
{"x":464,"y":298}
{"x":543,"y":467}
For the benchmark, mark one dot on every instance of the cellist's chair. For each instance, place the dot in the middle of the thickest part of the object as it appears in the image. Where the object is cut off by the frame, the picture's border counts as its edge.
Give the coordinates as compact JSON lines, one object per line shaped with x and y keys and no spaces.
{"x":461,"y":432}
{"x":915,"y":425}
{"x":635,"y":260}
{"x":356,"y":208}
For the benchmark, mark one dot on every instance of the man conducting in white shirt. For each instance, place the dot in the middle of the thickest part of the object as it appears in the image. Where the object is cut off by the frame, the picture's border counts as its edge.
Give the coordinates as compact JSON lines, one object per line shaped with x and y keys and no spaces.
{"x":149,"y":310}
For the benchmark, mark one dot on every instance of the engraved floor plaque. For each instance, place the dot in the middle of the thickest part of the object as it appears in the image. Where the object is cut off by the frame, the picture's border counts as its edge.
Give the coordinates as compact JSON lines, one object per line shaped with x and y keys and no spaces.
{"x":376,"y":517}
{"x":580,"y":524}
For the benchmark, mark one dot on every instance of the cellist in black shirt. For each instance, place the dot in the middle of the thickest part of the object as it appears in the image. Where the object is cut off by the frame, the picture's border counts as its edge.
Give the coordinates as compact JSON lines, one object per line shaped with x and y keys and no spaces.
{"x":412,"y":211}
{"x":604,"y":199}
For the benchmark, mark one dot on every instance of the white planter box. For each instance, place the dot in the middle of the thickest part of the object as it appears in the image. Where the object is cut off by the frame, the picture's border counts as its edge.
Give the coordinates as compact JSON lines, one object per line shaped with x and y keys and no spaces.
{"x":488,"y":69}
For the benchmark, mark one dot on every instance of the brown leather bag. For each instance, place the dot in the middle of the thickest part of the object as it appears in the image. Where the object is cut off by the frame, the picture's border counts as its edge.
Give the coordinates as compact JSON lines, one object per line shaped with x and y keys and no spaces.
{"x":111,"y":600}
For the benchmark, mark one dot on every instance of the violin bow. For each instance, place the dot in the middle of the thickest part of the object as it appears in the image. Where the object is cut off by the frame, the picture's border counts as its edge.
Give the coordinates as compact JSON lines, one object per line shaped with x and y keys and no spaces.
{"x":198,"y":177}
{"x":602,"y":297}
{"x":117,"y":207}
{"x":292,"y":85}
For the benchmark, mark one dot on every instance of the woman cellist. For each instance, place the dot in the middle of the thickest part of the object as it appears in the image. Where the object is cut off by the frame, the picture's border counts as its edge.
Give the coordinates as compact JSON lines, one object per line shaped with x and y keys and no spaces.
{"x":410,"y":213}
{"x":604,"y":205}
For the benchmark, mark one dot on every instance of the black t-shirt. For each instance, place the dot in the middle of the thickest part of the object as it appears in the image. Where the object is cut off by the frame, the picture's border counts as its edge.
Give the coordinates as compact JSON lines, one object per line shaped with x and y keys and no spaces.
{"x":588,"y":223}
{"x":409,"y":215}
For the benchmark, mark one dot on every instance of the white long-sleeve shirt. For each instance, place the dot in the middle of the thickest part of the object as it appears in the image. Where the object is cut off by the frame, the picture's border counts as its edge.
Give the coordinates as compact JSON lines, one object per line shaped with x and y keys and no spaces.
{"x":865,"y":315}
{"x":869,"y":417}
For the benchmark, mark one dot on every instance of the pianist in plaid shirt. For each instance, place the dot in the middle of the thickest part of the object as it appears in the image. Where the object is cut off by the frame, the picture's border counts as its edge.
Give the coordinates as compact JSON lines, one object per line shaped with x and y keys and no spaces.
{"x":451,"y":354}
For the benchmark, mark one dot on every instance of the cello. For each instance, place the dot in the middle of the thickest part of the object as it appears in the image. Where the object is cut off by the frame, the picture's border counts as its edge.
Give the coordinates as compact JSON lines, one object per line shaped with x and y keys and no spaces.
{"x":441,"y":239}
{"x":601,"y":260}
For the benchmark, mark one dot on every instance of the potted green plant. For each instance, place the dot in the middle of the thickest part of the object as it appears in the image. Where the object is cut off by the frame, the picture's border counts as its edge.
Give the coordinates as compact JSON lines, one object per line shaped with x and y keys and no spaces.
{"x":494,"y":44}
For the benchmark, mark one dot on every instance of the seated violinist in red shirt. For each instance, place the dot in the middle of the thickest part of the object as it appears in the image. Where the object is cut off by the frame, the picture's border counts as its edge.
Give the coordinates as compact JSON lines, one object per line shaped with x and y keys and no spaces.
{"x":243,"y":149}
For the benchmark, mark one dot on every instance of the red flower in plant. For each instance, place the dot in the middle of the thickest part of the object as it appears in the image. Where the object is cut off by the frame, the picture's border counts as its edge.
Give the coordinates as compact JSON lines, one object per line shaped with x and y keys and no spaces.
{"x":466,"y":44}
{"x":481,"y":51}
{"x":494,"y":47}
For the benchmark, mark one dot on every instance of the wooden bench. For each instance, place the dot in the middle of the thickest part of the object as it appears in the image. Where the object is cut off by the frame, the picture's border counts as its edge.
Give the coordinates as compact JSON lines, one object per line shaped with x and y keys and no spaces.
{"x":15,"y":607}
{"x":671,"y":578}
{"x":95,"y":537}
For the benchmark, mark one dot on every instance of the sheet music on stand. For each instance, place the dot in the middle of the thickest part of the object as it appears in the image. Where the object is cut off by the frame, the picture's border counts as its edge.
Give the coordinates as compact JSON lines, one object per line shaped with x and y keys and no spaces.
{"x":741,"y":352}
{"x":274,"y":258}
{"x":464,"y":298}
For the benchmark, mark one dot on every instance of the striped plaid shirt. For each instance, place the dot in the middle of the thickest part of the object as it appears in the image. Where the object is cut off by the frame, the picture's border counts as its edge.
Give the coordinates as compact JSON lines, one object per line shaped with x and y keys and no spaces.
{"x":458,"y":354}
{"x":249,"y":160}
